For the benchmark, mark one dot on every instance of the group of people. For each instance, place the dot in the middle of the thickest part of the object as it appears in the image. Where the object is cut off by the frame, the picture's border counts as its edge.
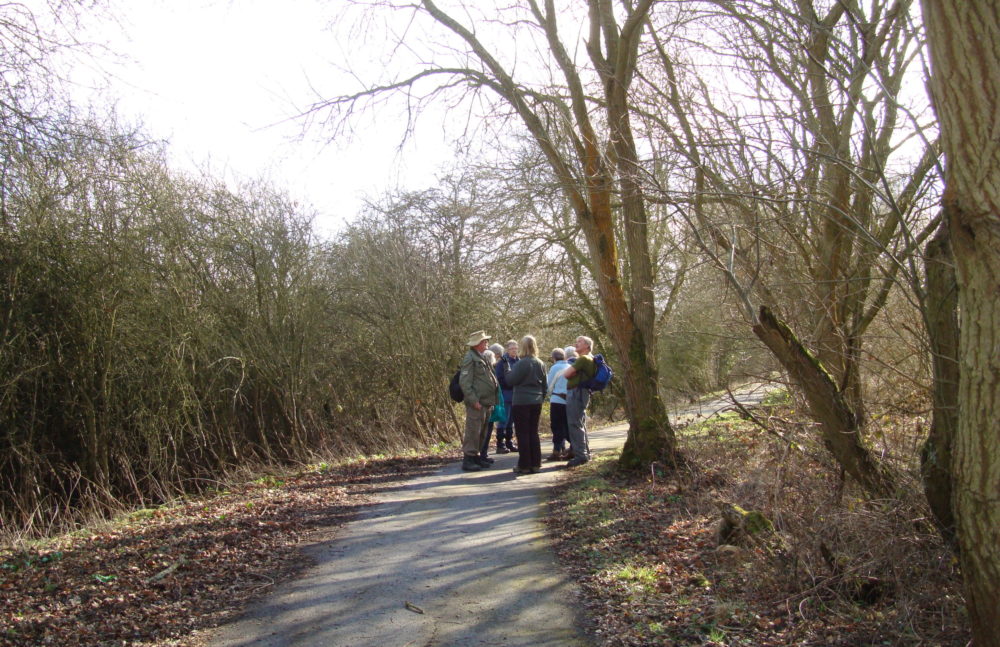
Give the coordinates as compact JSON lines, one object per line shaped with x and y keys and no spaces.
{"x":514,"y":376}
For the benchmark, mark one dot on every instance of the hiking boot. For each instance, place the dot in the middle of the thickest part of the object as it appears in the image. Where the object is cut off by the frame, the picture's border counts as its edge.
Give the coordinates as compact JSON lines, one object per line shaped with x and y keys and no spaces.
{"x":512,"y":448}
{"x":469,"y":464}
{"x":502,"y":450}
{"x":484,"y":462}
{"x":521,"y":470}
{"x":554,"y":456}
{"x":577,"y":461}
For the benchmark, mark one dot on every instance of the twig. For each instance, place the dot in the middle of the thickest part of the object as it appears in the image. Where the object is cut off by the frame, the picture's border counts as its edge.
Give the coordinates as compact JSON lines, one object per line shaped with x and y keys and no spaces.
{"x":168,"y":570}
{"x":757,"y":421}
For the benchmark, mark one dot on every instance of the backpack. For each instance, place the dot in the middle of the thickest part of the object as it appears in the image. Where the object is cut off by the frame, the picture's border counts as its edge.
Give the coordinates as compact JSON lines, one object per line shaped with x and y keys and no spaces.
{"x":601,"y":377}
{"x":455,"y":389}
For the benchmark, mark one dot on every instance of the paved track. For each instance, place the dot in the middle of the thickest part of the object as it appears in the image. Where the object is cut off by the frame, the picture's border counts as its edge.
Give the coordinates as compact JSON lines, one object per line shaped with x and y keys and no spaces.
{"x":447,"y":560}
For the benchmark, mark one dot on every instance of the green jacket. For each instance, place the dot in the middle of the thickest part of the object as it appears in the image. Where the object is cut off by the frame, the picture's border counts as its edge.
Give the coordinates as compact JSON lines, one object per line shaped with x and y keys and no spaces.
{"x":585,"y":369}
{"x":529,"y":381}
{"x":478,"y":382}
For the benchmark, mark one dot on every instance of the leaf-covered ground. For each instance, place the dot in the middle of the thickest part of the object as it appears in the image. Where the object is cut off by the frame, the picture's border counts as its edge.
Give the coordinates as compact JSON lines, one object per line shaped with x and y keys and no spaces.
{"x":835,"y":571}
{"x":159,"y":575}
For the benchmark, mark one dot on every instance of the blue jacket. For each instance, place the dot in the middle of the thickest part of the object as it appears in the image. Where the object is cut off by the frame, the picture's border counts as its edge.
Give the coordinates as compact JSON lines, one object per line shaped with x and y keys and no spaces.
{"x":558,"y":384}
{"x":502,"y":369}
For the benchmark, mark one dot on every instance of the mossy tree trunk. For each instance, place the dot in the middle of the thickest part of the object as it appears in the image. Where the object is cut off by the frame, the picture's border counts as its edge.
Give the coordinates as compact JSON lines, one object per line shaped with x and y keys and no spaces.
{"x":964,"y":42}
{"x":838,"y":422}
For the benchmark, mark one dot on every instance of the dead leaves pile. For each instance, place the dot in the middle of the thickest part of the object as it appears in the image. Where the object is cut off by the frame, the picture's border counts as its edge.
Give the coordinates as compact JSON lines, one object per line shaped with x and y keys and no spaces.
{"x":645,"y":552}
{"x":159,"y":575}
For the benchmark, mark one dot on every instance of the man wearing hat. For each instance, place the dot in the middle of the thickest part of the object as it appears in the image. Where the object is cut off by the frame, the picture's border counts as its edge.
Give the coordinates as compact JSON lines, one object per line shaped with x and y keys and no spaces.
{"x":479,"y":386}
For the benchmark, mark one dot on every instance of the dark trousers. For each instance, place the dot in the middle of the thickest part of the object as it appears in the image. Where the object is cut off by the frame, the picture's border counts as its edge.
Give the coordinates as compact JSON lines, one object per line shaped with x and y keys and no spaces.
{"x":560,"y":427}
{"x":526,"y":429}
{"x":486,"y":440}
{"x":505,"y":430}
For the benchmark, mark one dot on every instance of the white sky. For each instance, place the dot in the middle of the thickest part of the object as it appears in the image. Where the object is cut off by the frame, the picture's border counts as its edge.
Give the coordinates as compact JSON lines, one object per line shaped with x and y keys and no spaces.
{"x":213,"y":77}
{"x":221,"y":80}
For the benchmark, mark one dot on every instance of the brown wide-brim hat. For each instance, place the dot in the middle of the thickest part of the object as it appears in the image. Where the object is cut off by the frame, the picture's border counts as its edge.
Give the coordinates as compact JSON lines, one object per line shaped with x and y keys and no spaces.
{"x":477,"y":337}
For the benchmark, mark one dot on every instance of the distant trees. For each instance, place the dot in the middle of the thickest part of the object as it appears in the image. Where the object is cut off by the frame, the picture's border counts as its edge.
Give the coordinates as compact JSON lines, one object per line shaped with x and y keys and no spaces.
{"x":410,"y":279}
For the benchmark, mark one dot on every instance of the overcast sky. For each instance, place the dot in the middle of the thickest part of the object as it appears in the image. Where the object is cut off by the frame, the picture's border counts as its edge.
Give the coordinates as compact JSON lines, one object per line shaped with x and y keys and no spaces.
{"x":221,"y":81}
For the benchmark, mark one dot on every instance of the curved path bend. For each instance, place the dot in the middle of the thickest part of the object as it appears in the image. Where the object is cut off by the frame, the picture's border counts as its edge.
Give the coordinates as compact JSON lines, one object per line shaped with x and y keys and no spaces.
{"x":449,"y":559}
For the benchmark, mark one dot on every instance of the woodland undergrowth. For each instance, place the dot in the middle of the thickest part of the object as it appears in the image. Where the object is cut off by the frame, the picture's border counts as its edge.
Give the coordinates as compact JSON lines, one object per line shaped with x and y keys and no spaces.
{"x":836,"y":570}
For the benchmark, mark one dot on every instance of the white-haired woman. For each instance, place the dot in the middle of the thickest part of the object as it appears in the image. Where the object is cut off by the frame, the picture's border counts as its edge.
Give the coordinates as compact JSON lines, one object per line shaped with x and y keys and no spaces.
{"x":529,"y":383}
{"x":557,"y":406}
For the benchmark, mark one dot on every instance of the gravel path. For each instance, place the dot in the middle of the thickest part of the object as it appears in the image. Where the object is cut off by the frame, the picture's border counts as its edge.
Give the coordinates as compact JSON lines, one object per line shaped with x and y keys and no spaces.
{"x":450,"y":559}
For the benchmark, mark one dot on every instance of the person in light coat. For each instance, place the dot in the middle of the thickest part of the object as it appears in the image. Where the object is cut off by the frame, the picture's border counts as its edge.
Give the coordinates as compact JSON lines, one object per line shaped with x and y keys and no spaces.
{"x":557,"y":406}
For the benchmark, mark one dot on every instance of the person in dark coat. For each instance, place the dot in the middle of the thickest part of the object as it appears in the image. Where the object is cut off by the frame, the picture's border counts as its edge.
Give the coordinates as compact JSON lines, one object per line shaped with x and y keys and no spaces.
{"x":505,"y":430}
{"x":529,"y":383}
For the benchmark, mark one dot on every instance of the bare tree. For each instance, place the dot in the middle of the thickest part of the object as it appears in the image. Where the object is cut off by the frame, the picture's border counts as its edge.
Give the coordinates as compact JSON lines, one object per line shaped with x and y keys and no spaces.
{"x":789,"y":163}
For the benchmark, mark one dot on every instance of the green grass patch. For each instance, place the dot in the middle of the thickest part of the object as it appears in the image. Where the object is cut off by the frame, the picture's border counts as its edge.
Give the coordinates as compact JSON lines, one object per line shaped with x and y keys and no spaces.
{"x":644,"y":577}
{"x":719,"y":427}
{"x":142,"y":514}
{"x":777,"y":398}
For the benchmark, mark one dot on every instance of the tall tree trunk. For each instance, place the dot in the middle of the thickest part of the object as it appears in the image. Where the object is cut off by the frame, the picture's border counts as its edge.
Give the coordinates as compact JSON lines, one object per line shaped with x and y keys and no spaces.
{"x":839,"y":424}
{"x":941,"y":311}
{"x":964,"y":40}
{"x":650,"y":436}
